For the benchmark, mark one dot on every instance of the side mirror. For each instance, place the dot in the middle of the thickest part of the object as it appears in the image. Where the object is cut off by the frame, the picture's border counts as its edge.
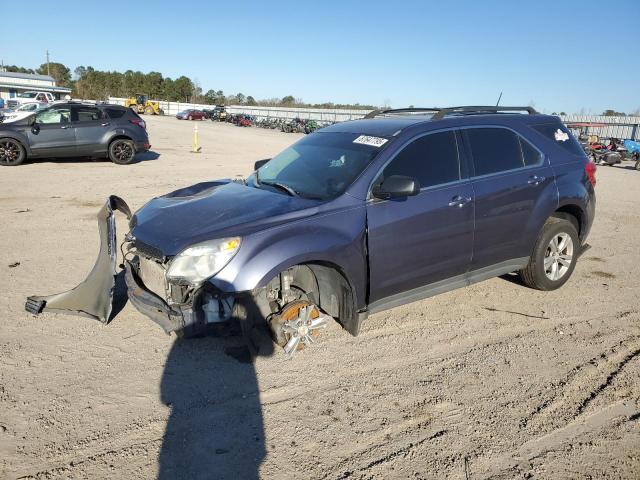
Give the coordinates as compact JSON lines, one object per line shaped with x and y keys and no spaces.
{"x":260,"y":163}
{"x":396,"y":186}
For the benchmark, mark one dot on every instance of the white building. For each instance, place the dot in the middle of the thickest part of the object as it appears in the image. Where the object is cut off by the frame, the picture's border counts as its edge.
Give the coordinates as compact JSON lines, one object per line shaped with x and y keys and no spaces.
{"x":11,"y":84}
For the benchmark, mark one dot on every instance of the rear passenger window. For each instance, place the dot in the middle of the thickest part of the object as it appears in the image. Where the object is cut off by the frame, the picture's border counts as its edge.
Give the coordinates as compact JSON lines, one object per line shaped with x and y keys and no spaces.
{"x":531,"y":155}
{"x":115,"y":112}
{"x":494,"y":150}
{"x":431,"y":159}
{"x":88,"y":114}
{"x":560,"y":135}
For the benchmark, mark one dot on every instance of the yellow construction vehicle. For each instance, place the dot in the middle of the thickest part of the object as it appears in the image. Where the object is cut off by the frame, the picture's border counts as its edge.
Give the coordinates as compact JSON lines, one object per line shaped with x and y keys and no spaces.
{"x":142,"y":104}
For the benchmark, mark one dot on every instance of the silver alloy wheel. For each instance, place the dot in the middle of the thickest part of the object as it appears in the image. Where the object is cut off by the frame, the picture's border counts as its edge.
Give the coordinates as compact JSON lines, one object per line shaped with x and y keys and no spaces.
{"x":558,"y":257}
{"x":9,"y":152}
{"x":302,"y":328}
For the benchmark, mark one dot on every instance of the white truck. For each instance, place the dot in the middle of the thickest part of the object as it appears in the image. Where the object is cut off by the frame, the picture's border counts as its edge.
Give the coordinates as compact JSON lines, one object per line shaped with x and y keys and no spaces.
{"x":29,"y":97}
{"x":23,"y":111}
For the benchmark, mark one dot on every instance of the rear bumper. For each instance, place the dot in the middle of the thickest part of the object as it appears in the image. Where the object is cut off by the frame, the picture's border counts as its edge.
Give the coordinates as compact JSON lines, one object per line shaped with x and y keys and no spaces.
{"x":142,"y":146}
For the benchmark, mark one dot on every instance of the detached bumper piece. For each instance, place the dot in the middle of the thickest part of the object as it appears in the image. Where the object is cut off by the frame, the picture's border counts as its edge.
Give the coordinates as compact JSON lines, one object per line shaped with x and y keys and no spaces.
{"x":93,"y":297}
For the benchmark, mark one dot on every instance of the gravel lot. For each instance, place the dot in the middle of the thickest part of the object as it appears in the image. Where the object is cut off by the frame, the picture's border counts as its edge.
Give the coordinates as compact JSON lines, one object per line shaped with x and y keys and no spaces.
{"x":491,"y":381}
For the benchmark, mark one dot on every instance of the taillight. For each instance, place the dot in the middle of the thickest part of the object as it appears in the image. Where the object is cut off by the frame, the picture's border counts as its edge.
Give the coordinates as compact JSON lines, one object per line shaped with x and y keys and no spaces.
{"x":590,"y":168}
{"x":139,"y":122}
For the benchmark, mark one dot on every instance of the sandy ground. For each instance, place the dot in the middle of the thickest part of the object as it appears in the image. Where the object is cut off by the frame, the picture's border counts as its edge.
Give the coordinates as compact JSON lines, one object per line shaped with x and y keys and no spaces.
{"x":491,"y":381}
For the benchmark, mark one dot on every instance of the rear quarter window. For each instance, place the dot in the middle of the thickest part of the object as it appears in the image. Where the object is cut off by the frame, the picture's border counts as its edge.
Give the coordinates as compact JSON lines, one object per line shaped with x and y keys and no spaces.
{"x":115,"y":112}
{"x":561,"y":136}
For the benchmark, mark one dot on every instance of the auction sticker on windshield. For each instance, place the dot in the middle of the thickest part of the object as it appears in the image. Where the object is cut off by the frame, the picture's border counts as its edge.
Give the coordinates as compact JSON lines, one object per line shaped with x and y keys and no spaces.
{"x":371,"y":141}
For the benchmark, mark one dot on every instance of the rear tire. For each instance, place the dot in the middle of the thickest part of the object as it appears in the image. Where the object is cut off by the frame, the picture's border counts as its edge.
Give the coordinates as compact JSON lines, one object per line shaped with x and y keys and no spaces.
{"x":554,"y":256}
{"x":12,"y":153}
{"x":122,"y":151}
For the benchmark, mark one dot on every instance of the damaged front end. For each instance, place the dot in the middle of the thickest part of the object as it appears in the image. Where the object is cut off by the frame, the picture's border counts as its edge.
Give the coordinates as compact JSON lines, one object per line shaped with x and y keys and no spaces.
{"x":176,"y":306}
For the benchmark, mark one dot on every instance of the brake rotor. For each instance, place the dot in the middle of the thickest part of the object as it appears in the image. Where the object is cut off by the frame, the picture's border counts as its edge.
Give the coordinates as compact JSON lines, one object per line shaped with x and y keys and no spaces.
{"x":297,"y":325}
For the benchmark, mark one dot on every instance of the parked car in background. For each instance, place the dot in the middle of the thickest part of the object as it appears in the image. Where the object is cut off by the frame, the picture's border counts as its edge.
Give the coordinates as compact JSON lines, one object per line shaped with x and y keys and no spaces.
{"x":356,"y":218}
{"x":74,"y":130}
{"x":190,"y":114}
{"x":29,"y":97}
{"x":219,"y":113}
{"x":23,"y":111}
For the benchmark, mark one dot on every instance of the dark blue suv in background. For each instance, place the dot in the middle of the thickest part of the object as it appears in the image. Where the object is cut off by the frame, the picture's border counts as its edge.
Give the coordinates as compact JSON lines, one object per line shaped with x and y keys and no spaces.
{"x":356,"y":218}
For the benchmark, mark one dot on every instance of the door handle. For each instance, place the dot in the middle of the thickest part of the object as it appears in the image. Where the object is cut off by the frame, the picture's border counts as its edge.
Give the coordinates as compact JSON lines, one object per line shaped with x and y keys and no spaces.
{"x":459,"y":201}
{"x":105,"y":124}
{"x":65,"y":126}
{"x":535,"y":180}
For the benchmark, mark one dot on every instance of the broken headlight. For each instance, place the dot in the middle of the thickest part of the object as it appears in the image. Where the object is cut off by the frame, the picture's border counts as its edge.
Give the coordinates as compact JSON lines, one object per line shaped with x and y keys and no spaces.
{"x":203,"y":260}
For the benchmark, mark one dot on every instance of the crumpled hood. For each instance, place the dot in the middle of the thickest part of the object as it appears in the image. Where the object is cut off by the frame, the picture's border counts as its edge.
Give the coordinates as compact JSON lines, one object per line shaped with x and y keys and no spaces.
{"x":211,"y":210}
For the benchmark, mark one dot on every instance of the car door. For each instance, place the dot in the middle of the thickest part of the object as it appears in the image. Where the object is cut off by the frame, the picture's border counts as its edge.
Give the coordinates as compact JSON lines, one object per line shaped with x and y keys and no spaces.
{"x":426,"y":238}
{"x":52,"y":134}
{"x":509,"y":177}
{"x":91,"y":125}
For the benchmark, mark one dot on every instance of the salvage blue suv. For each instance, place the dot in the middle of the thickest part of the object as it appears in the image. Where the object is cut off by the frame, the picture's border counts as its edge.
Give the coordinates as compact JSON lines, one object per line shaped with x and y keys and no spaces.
{"x":359,"y":217}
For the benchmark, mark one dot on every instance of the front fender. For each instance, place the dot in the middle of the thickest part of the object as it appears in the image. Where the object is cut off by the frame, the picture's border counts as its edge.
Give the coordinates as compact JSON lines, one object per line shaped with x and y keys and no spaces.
{"x":19,"y":136}
{"x":337,"y":239}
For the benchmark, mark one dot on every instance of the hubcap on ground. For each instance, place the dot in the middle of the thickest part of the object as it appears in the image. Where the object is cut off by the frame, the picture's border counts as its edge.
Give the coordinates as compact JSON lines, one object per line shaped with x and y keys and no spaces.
{"x":297,"y":325}
{"x":558,"y":256}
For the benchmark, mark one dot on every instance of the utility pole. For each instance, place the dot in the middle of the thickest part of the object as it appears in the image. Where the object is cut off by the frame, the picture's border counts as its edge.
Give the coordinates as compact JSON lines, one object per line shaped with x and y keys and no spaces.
{"x":48,"y":72}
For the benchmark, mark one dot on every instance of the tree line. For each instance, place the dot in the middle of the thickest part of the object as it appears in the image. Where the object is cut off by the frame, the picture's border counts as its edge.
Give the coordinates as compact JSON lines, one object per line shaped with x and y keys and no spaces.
{"x":89,"y":83}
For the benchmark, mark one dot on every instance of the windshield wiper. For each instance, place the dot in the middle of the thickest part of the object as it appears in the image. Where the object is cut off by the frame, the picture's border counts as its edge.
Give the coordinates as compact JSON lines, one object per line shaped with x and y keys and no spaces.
{"x":281,"y":186}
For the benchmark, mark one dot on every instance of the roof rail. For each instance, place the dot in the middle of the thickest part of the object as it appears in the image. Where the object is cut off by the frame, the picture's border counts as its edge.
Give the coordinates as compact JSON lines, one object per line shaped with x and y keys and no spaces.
{"x":375,"y":113}
{"x":440,"y":113}
{"x":481,"y":109}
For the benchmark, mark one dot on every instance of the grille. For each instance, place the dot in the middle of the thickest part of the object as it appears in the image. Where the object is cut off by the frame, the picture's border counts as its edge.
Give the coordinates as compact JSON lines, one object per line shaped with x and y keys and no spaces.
{"x":148,"y":250}
{"x":152,"y":275}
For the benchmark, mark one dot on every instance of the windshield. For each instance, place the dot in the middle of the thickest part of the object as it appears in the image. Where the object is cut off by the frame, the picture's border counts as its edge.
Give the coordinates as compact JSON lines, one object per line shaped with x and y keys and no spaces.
{"x":28,"y":107}
{"x":321,"y":165}
{"x":28,"y":95}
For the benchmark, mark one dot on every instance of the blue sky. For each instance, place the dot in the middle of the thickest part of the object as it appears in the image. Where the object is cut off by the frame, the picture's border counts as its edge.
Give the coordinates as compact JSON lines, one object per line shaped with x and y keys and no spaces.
{"x":557,"y":55}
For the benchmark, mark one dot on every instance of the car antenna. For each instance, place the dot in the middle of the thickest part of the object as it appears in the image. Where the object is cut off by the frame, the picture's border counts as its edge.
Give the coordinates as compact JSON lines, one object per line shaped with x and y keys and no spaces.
{"x":499,"y":98}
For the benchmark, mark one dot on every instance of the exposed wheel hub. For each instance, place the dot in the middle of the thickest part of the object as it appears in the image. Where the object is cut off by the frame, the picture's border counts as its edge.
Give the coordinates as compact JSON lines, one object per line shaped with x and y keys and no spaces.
{"x":297,"y":325}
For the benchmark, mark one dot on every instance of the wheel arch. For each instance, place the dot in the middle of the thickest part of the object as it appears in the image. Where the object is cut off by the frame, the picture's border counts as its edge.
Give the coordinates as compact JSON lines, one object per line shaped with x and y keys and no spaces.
{"x":573,"y":213}
{"x":118,"y":136}
{"x":330,"y":288}
{"x":22,"y":140}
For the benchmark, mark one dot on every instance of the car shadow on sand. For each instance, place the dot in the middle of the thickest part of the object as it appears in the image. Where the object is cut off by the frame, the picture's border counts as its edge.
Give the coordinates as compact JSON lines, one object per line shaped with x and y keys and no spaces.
{"x":140,"y":157}
{"x":215,"y":428}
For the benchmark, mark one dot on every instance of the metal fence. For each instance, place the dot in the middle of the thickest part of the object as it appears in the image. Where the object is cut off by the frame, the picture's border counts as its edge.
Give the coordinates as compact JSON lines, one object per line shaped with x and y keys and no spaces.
{"x":322,"y":115}
{"x":603,"y":127}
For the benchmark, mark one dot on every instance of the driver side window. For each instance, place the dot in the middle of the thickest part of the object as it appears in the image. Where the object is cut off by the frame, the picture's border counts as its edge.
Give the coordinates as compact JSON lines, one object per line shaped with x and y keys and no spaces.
{"x":54,"y":115}
{"x":431,"y":159}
